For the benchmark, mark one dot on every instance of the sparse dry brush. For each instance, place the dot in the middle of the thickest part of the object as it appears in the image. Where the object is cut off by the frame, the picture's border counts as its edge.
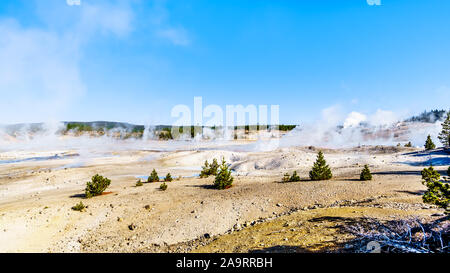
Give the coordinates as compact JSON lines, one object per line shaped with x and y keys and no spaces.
{"x":400,"y":236}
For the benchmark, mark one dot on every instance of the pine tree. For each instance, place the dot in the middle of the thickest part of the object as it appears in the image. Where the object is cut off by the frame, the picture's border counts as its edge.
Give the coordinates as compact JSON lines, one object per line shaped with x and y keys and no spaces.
{"x":153,"y":177}
{"x":97,"y":186}
{"x":205,"y":170}
{"x":214,"y":167}
{"x":429,"y":145}
{"x":444,"y":135}
{"x":294,"y":177}
{"x":209,"y":169}
{"x":438,"y":193}
{"x":223,"y":178}
{"x":168,"y":178}
{"x":320,"y":170}
{"x":365,"y":174}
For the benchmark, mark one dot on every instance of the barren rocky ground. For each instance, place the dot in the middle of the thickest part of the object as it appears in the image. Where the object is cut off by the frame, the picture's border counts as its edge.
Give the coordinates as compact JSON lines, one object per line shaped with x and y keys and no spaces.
{"x":259,"y":213}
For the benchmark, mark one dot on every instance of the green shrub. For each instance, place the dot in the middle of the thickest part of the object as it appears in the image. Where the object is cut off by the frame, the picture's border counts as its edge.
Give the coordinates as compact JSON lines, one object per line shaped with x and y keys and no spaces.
{"x":139,"y":183}
{"x":163,"y":186}
{"x":166,"y":134}
{"x":438,"y":193}
{"x":209,"y":169}
{"x":79,"y":207}
{"x":97,"y":186}
{"x":294,"y":177}
{"x":365,"y":174}
{"x":320,"y":170}
{"x":429,"y":145}
{"x":223,"y":179}
{"x":448,"y":171}
{"x":153,"y":177}
{"x":409,"y":144}
{"x":291,"y":178}
{"x":168,"y":178}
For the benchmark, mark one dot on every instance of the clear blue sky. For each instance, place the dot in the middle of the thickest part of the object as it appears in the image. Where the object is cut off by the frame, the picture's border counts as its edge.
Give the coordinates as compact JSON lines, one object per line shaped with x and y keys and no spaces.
{"x":134,"y":60}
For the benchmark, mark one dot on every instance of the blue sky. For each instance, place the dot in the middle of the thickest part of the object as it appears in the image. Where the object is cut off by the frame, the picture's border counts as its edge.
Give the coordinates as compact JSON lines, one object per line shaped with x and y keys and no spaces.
{"x":134,"y":60}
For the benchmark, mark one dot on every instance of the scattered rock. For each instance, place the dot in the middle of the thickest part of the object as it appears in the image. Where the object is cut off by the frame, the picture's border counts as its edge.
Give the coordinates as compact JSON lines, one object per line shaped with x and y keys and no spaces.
{"x":132,"y":227}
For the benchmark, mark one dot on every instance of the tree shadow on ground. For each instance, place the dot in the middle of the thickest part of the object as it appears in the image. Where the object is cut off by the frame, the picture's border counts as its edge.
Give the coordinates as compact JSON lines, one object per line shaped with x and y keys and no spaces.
{"x":438,"y":151}
{"x":420,"y":192}
{"x":204,"y":186}
{"x":440,"y":161}
{"x":78,"y":195}
{"x":301,"y":180}
{"x":442,"y":173}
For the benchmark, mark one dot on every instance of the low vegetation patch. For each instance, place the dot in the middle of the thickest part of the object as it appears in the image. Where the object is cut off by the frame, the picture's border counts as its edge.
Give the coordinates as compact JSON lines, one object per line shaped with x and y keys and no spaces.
{"x":366,"y":175}
{"x":97,"y":186}
{"x":79,"y":207}
{"x":223,"y":179}
{"x":163,"y":186}
{"x":139,"y":183}
{"x":320,"y":170}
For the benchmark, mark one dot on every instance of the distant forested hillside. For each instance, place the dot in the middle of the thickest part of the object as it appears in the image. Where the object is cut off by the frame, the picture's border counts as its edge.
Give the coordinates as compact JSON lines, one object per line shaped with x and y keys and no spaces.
{"x":428,"y":116}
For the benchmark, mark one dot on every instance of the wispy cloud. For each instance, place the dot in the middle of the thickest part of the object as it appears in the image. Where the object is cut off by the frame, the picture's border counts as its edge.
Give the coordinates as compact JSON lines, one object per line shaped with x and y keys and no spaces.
{"x":165,"y":29}
{"x":40,"y":66}
{"x":177,"y":36}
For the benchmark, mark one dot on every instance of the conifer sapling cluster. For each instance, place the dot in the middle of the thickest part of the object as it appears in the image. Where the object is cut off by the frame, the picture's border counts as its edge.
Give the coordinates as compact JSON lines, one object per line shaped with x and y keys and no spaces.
{"x":209,"y":169}
{"x":291,"y":178}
